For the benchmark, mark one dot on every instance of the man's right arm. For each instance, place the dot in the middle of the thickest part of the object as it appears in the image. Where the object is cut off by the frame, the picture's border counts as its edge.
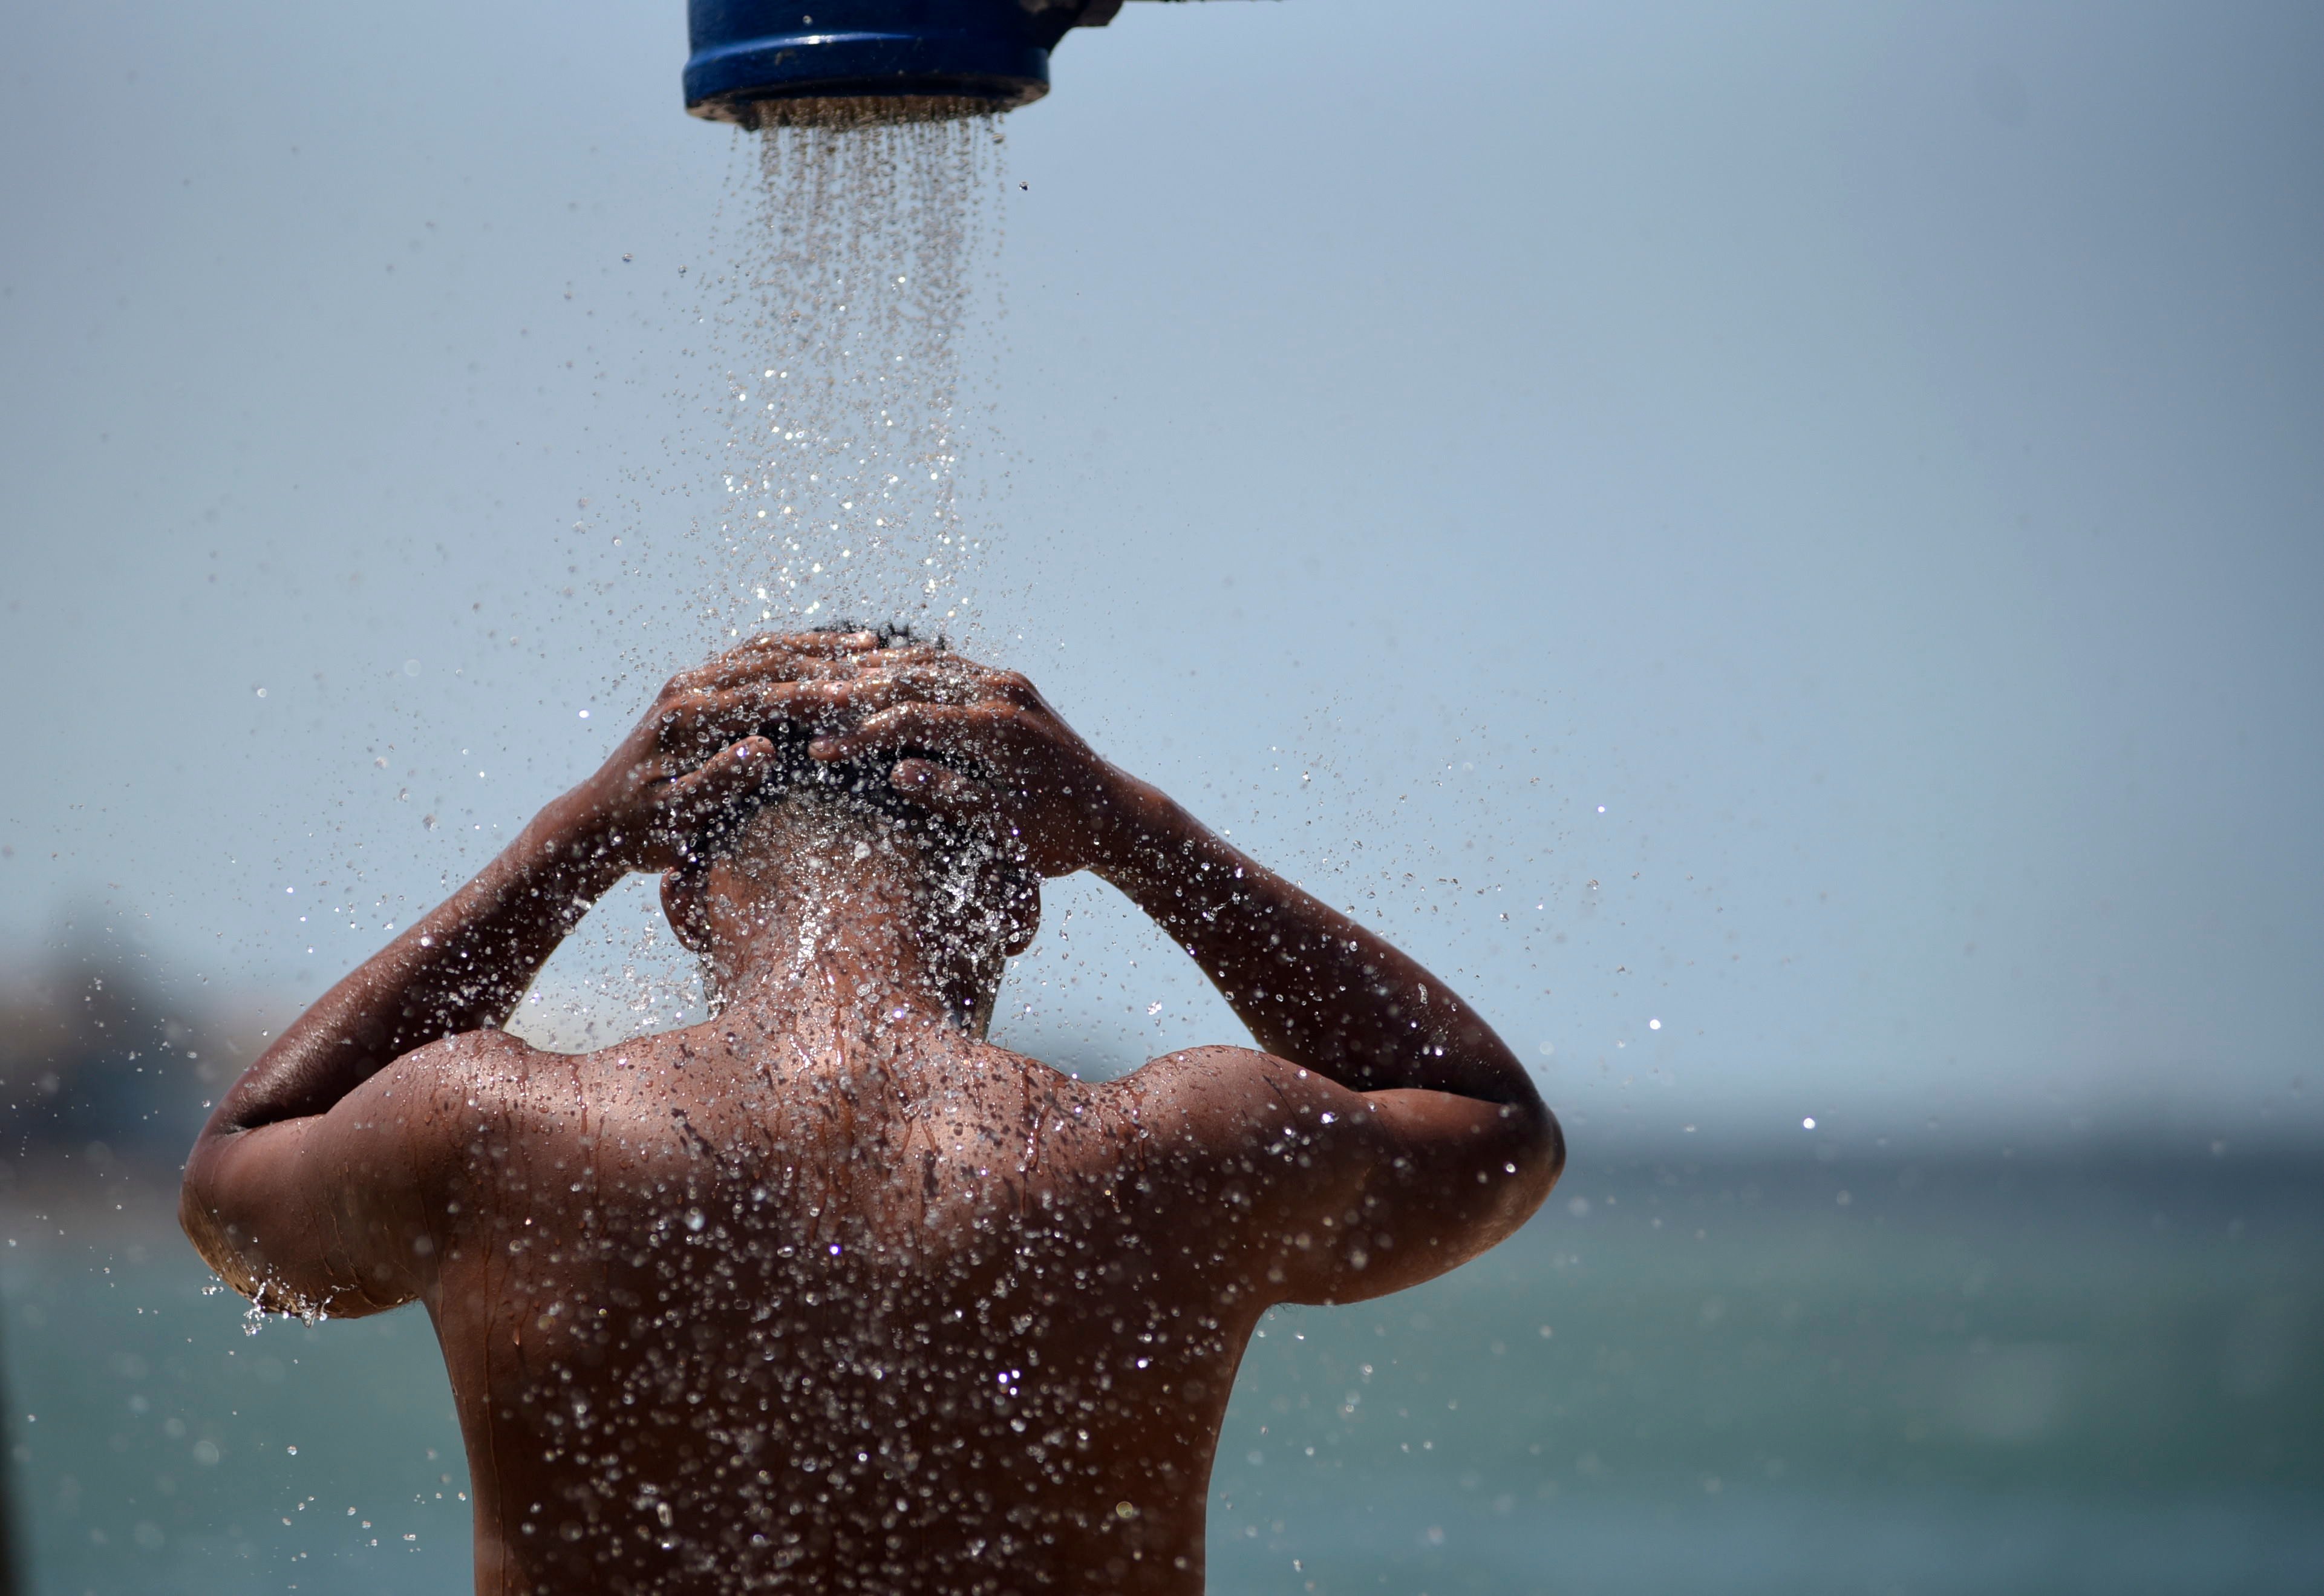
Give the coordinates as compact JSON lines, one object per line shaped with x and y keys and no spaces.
{"x":1314,"y":985}
{"x":1402,"y":1100}
{"x":1400,"y":1134}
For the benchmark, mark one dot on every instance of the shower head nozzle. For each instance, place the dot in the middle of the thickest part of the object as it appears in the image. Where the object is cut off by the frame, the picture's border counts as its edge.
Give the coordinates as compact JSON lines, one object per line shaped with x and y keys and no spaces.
{"x":762,"y":62}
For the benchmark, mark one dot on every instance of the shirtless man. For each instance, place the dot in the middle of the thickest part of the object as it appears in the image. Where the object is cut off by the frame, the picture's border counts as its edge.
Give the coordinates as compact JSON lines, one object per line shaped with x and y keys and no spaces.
{"x":830,"y":1294}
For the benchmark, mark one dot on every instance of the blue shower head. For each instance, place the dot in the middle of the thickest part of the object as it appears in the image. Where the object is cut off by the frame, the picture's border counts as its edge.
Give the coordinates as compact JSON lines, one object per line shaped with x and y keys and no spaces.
{"x":762,"y":62}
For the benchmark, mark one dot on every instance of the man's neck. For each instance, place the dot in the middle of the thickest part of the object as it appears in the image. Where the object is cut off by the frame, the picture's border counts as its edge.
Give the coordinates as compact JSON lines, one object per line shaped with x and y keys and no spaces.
{"x":830,"y":919}
{"x":849,"y":957}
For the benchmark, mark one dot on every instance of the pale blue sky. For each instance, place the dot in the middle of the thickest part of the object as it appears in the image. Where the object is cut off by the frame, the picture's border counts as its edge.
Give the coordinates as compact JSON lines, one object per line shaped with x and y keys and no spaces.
{"x":1872,"y":450}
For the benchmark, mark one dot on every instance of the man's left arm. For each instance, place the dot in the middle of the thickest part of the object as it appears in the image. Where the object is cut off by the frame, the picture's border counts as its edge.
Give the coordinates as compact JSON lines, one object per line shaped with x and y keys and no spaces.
{"x":303,"y":1186}
{"x":297,"y":1185}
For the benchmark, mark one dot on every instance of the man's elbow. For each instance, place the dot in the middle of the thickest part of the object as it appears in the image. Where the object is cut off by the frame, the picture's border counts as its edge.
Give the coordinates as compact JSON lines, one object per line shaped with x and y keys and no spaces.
{"x":214,"y":1203}
{"x":1536,"y":1158}
{"x":201,"y":1215}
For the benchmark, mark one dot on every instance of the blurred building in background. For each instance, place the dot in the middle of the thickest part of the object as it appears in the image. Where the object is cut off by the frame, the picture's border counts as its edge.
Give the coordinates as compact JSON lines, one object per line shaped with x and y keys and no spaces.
{"x":102,"y":1067}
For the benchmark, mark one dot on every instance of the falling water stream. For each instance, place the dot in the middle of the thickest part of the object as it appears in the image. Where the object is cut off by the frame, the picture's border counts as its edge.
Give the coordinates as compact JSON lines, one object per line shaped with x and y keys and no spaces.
{"x":855,"y":260}
{"x":839,"y":457}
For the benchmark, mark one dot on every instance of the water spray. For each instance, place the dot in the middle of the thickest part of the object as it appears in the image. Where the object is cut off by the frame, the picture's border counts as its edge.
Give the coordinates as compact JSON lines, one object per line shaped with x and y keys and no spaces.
{"x":842,"y":62}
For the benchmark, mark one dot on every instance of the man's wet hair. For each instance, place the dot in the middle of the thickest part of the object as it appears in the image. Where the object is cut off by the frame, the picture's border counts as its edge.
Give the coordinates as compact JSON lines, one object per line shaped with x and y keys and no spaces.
{"x":892,"y":634}
{"x":861,"y":781}
{"x":798,"y":773}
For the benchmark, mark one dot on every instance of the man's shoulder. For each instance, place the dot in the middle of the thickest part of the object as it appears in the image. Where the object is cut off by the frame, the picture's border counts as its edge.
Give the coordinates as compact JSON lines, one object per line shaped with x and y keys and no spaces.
{"x":1231,"y":1100}
{"x":1232,"y":1139}
{"x":467,"y":1079}
{"x":1191,"y":1103}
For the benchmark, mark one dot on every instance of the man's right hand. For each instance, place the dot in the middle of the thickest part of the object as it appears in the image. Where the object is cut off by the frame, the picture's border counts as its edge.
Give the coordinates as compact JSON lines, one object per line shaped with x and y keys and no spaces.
{"x":1008,"y":762}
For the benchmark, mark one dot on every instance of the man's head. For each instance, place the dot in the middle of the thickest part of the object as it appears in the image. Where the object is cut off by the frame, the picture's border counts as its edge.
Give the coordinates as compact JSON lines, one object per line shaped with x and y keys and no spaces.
{"x":831,"y":858}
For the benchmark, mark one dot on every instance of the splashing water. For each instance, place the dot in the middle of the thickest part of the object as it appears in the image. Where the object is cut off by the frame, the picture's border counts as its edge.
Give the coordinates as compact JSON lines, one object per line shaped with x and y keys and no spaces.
{"x":841,"y":441}
{"x":857,"y":246}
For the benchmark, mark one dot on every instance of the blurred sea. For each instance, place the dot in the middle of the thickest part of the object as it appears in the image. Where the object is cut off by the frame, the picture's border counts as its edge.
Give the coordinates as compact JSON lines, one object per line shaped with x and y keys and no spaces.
{"x":2100,"y":1373}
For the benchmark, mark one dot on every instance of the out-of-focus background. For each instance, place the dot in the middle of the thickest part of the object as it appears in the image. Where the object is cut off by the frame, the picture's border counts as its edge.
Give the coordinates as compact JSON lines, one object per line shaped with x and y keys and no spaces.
{"x":1778,"y":547}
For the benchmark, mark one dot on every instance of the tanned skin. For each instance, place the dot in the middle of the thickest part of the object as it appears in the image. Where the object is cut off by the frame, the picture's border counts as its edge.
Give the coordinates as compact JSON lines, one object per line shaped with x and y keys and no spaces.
{"x":830,"y":1294}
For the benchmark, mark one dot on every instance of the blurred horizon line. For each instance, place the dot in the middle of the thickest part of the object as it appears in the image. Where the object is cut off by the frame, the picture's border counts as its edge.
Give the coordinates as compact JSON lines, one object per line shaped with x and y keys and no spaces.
{"x":103,"y":1043}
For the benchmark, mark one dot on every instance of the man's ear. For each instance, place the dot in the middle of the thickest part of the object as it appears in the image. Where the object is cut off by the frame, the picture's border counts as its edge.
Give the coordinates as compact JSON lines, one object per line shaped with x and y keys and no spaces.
{"x":1025,"y":916}
{"x":685,"y":901}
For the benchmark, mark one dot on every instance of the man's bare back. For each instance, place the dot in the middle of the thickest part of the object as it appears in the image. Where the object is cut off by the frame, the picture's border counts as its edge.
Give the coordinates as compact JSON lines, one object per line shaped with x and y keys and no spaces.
{"x":829,"y":1292}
